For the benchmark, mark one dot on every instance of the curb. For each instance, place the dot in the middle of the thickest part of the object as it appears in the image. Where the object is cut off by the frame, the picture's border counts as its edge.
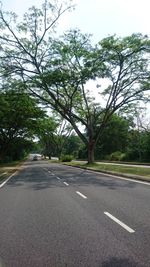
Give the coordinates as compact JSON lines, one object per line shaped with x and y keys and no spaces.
{"x":128,"y":176}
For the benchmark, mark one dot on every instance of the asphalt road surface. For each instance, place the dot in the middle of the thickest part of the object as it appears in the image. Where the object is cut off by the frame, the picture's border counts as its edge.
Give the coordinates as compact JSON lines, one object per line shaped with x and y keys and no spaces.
{"x":57,"y":216}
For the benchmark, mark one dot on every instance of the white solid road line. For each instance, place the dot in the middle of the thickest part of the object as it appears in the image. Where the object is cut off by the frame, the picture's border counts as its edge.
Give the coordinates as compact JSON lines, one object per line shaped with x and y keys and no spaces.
{"x":116,"y":176}
{"x":130,"y":230}
{"x":127,"y":179}
{"x":121,"y":177}
{"x":81,"y":195}
{"x":66,"y":183}
{"x":2,"y":184}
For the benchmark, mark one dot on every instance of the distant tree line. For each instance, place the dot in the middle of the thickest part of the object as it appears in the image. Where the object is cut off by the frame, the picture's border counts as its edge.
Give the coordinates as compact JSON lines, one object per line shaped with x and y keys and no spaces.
{"x":22,"y":122}
{"x":121,"y":141}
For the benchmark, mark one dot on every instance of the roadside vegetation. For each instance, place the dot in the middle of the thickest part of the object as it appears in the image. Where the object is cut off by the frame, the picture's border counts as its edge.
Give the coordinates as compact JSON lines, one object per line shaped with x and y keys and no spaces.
{"x":45,"y":106}
{"x":140,"y":173}
{"x":6,"y":169}
{"x":121,"y":141}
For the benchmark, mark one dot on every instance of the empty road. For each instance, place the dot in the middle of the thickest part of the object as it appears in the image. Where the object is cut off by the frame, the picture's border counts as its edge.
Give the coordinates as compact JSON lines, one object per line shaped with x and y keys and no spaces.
{"x":53,"y":215}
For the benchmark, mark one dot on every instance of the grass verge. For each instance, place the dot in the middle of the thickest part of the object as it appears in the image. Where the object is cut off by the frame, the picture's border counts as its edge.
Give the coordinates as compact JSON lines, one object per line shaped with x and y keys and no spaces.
{"x":141,"y":173}
{"x":6,"y":169}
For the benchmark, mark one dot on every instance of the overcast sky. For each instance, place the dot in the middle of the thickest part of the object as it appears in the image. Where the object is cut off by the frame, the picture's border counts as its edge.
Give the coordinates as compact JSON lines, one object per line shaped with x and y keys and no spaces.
{"x":99,"y":17}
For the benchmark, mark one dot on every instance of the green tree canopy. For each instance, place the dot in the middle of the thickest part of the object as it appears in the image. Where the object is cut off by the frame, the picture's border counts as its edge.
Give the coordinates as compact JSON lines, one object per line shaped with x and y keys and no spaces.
{"x":46,"y":134}
{"x":115,"y":137}
{"x":18,"y":119}
{"x":57,"y":71}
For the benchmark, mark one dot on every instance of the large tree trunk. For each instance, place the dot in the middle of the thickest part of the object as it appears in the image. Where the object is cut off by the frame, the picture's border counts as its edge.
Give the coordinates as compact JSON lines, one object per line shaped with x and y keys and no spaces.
{"x":91,"y":147}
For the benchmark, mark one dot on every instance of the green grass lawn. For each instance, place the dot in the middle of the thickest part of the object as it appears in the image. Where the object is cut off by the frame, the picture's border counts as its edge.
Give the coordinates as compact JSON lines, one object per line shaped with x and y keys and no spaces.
{"x":115,"y":169}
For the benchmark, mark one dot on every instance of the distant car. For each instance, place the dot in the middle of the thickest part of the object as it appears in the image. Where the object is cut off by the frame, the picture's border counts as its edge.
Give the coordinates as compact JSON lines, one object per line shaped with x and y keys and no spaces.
{"x":35,"y":157}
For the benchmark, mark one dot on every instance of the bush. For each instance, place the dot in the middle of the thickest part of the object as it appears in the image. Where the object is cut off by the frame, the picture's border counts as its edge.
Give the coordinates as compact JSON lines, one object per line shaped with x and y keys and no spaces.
{"x":117,"y":156}
{"x":66,"y":158}
{"x":132,"y":155}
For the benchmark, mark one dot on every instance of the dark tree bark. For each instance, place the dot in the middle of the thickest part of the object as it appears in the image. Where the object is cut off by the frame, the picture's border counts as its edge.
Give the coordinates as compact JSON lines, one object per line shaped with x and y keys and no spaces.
{"x":91,"y":148}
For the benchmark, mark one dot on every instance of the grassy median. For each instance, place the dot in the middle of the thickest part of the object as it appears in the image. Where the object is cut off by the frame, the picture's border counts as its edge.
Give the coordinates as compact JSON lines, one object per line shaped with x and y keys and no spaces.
{"x":137,"y":172}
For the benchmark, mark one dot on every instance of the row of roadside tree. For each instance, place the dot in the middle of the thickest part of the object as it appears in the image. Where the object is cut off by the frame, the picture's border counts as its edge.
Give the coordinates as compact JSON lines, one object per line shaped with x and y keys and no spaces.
{"x":44,"y":71}
{"x":25,"y":127}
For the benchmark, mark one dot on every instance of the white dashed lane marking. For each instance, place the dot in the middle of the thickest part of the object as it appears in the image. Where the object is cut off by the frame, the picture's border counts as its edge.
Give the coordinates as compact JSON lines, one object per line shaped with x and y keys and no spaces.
{"x":66,"y":183}
{"x":127,"y":228}
{"x":81,"y":195}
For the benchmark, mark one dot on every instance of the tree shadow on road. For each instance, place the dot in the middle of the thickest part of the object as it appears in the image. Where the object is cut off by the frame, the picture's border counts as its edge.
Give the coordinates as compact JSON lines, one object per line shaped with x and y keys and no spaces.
{"x":86,"y":179}
{"x":35,"y":180}
{"x":35,"y":175}
{"x":80,"y":177}
{"x":115,"y":262}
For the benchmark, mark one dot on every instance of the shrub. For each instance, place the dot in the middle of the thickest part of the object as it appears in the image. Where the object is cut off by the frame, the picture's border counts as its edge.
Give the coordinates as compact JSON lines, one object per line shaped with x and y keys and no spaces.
{"x":117,"y":156}
{"x":66,"y":158}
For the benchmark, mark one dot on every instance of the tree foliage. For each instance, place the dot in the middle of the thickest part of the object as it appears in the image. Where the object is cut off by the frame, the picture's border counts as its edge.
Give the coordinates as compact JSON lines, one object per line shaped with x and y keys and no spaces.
{"x":115,"y":137}
{"x":46,"y":134}
{"x":18,"y":121}
{"x":57,"y":71}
